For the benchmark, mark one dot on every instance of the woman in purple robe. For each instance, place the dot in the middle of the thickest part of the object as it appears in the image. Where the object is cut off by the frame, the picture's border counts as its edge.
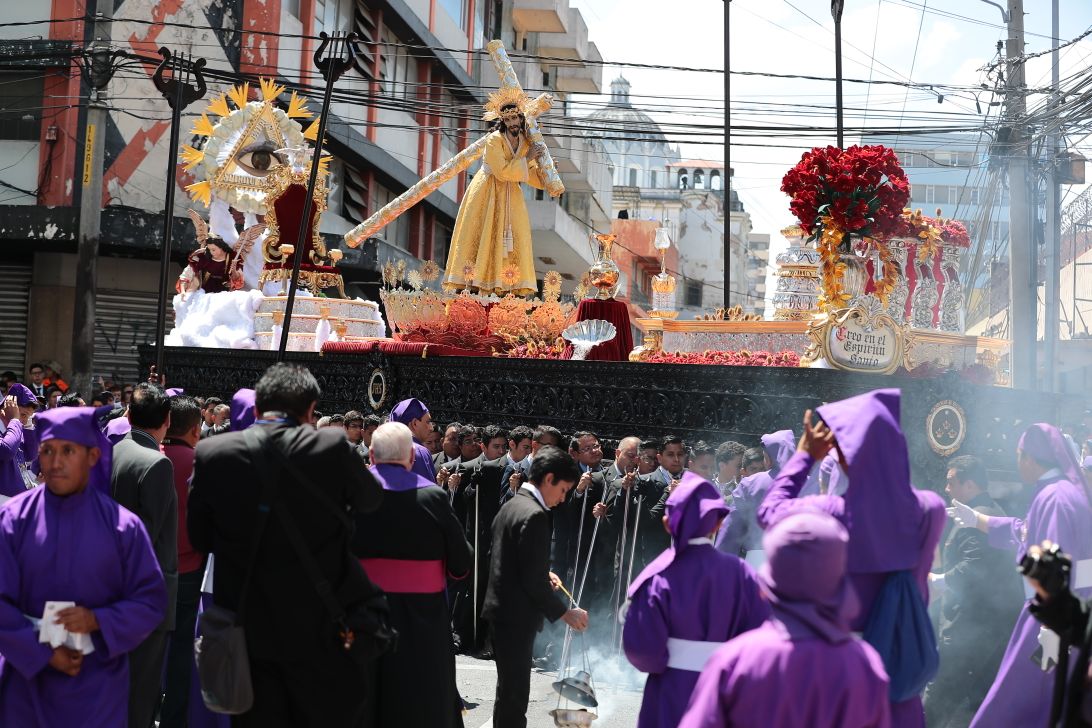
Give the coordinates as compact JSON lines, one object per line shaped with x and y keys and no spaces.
{"x":19,"y":443}
{"x":1060,"y":512}
{"x":740,"y":534}
{"x":70,"y":541}
{"x":686,"y":603}
{"x":770,"y":676}
{"x":892,"y":526}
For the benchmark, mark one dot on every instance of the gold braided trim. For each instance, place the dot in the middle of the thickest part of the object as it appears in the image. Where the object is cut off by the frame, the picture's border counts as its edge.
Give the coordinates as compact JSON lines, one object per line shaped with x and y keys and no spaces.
{"x":311,"y":280}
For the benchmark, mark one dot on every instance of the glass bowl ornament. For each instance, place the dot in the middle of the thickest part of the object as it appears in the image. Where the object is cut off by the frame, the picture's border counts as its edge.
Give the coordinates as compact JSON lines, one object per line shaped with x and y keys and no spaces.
{"x":604,"y":274}
{"x":585,"y":335}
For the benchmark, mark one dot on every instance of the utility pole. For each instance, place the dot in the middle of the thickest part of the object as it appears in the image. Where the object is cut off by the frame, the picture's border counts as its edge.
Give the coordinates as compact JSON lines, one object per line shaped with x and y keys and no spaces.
{"x":1022,"y":263}
{"x":83,"y":316}
{"x":1053,"y":237}
{"x":726,"y":182}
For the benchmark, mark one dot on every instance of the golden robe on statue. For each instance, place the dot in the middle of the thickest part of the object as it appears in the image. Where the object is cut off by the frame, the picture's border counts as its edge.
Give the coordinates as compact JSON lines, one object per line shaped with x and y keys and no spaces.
{"x":492,"y":234}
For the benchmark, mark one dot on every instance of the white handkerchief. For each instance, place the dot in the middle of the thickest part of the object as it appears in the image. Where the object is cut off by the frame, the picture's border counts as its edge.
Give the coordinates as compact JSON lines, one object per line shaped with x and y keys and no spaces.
{"x":56,"y":635}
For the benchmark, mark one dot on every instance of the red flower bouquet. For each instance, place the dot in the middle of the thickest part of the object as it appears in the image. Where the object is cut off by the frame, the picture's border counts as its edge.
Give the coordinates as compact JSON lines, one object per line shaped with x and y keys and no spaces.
{"x":857,"y":191}
{"x":955,"y":233}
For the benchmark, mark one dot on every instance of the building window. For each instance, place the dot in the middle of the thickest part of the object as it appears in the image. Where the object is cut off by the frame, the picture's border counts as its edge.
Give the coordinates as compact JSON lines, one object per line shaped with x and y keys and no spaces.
{"x":441,"y":241}
{"x":456,"y":10}
{"x":632,"y":177}
{"x":699,"y":180}
{"x":930,"y":194}
{"x":714,"y":180}
{"x":974,"y":196}
{"x":653,"y":181}
{"x":909,"y":159}
{"x":399,"y":69}
{"x":292,"y":7}
{"x":397,"y":232}
{"x":684,"y":180}
{"x":693,"y":293}
{"x":953,"y":195}
{"x":20,"y":106}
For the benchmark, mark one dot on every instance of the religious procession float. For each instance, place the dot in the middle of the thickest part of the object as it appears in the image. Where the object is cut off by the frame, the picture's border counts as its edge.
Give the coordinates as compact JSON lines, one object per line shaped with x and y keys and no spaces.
{"x":868,"y":295}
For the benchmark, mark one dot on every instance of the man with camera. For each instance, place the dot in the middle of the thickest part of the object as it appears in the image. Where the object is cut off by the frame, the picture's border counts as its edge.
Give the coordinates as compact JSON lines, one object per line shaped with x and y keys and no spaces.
{"x":1060,"y":512}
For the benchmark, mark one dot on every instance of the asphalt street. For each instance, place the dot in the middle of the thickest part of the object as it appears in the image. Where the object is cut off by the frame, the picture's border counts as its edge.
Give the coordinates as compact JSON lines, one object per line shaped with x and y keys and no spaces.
{"x":618,"y":705}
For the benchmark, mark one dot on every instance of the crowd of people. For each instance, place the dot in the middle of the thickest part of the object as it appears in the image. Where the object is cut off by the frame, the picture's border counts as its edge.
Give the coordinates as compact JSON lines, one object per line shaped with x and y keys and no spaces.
{"x":359,"y":554}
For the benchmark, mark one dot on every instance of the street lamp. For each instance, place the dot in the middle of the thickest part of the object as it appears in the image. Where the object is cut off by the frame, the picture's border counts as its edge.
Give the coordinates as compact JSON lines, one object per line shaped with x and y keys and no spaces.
{"x":836,"y":11}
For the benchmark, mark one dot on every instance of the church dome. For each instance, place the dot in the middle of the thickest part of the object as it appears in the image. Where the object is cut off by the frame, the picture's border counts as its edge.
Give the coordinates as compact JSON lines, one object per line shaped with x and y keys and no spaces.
{"x":622,"y":119}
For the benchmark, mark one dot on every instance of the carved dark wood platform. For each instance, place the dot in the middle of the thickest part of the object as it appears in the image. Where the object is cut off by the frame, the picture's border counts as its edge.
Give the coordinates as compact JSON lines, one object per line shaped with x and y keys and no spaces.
{"x":616,"y":399}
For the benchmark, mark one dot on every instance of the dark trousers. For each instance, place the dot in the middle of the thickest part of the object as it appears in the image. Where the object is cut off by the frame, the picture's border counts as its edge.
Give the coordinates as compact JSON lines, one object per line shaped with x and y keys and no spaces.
{"x":512,"y":646}
{"x":326,"y":691}
{"x":146,"y":679}
{"x":176,"y":686}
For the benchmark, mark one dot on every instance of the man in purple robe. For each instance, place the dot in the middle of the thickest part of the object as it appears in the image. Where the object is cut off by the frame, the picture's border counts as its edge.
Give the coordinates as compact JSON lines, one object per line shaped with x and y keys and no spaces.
{"x":70,"y":541}
{"x":893,"y":528}
{"x":19,"y":444}
{"x":242,"y":410}
{"x":1060,"y":512}
{"x":414,"y":414}
{"x":741,"y":534}
{"x":687,"y":602}
{"x":409,"y":548}
{"x":803,"y":667}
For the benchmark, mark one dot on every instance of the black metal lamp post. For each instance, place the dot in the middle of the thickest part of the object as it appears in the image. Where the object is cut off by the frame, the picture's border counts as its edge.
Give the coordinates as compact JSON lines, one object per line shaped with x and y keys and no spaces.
{"x":836,"y":12}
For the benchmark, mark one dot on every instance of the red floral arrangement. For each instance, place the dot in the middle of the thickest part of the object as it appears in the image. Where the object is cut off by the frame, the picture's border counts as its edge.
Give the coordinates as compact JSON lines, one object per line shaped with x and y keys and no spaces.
{"x":742,"y":358}
{"x":955,"y":233}
{"x":857,"y":191}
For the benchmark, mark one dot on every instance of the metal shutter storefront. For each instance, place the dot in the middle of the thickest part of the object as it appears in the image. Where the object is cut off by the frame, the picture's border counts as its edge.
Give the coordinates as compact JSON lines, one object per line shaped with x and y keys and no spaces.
{"x":14,"y":304}
{"x":123,"y":321}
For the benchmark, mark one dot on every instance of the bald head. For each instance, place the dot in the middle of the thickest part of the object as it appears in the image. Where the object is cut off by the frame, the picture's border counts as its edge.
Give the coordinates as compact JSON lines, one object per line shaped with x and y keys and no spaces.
{"x":625,"y":455}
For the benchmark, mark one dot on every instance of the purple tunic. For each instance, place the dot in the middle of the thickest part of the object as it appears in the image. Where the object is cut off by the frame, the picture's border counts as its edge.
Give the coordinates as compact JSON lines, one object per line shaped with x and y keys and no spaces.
{"x":765,"y":678}
{"x":692,"y":592}
{"x":422,"y":462}
{"x":19,"y":445}
{"x":892,"y":526}
{"x":804,"y":578}
{"x":87,"y":549}
{"x":1060,"y":512}
{"x":740,"y":531}
{"x":394,"y":477}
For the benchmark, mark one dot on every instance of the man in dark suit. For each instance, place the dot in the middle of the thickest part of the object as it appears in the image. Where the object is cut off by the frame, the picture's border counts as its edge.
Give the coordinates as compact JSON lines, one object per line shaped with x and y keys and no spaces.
{"x":449,"y":446}
{"x":521,"y":588}
{"x":575,"y":520}
{"x":301,"y":674}
{"x":482,"y":496}
{"x":515,"y":473}
{"x":980,"y":597}
{"x":143,"y":481}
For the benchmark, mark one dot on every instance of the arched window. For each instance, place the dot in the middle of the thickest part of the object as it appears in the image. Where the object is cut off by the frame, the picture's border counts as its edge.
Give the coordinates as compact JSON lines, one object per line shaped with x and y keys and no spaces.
{"x":684,"y":180}
{"x":714,"y":180}
{"x":699,"y":180}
